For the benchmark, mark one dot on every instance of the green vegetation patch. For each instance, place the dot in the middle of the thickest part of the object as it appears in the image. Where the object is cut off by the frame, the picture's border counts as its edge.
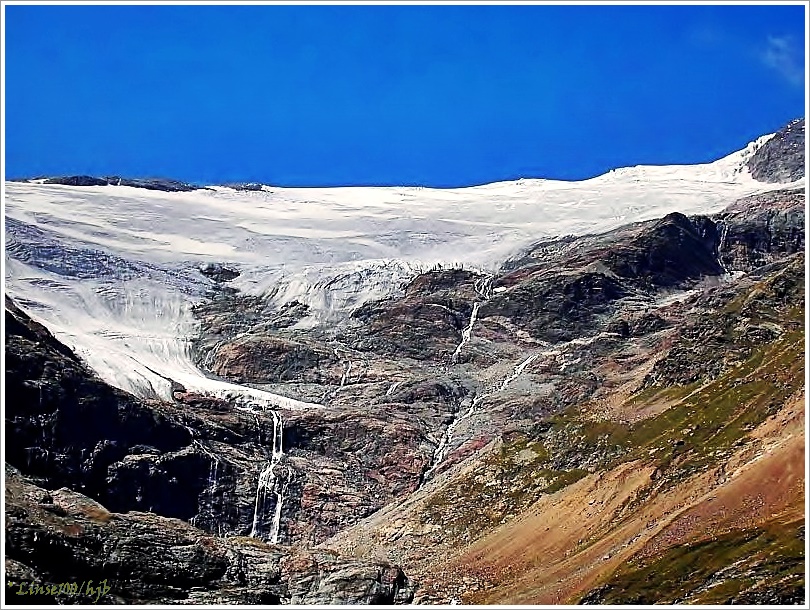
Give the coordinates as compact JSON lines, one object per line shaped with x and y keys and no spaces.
{"x":710,"y":417}
{"x":689,"y":436}
{"x":767,"y":560}
{"x":507,"y":481}
{"x":702,"y":429}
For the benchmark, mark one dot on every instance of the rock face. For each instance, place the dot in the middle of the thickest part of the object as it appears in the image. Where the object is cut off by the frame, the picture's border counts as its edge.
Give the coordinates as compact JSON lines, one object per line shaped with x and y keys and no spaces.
{"x":153,"y":184}
{"x":271,"y":359}
{"x":678,"y":423}
{"x":530,"y":341}
{"x":219,"y":272}
{"x":426,"y":324}
{"x":669,"y":253}
{"x":246,"y":186}
{"x":564,"y":289}
{"x":759,"y":230}
{"x":333,"y":582}
{"x":62,"y":536}
{"x":78,"y":181}
{"x":69,"y":430}
{"x":199,"y":459}
{"x":781,"y":159}
{"x":704,"y":349}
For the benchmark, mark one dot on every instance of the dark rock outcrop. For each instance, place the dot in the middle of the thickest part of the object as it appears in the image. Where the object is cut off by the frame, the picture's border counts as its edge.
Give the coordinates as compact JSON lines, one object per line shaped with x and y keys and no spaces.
{"x":61,"y":536}
{"x":66,"y":427}
{"x":338,"y":582}
{"x":728,"y":319}
{"x":153,"y":184}
{"x":194,"y":460}
{"x":199,"y":459}
{"x":254,"y":359}
{"x":781,"y":159}
{"x":356,"y":462}
{"x":560,"y":290}
{"x":77,"y":181}
{"x":245,"y":186}
{"x":556,"y":306}
{"x":219,"y":272}
{"x":672,"y":251}
{"x":426,"y":324}
{"x":761,"y":229}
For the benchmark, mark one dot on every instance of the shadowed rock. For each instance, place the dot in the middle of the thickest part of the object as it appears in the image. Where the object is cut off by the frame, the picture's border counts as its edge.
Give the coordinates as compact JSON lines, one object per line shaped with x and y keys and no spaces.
{"x":153,"y":184}
{"x":781,"y":159}
{"x":63,"y":536}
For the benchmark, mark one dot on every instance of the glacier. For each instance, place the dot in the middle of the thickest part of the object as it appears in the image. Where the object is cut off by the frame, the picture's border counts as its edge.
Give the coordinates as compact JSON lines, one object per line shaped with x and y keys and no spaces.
{"x":113,"y":271}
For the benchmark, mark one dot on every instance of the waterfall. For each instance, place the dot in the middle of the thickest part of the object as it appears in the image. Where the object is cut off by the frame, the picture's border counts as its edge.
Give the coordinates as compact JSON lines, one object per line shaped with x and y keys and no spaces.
{"x":720,"y":247}
{"x":516,"y":372}
{"x":466,"y":334}
{"x":267,"y":485}
{"x":441,"y":449}
{"x":210,"y":488}
{"x":345,"y":377}
{"x":212,"y":478}
{"x":483,"y":286}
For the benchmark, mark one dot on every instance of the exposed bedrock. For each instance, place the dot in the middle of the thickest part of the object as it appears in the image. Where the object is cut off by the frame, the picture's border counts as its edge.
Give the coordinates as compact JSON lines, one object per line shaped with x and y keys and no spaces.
{"x":781,"y":159}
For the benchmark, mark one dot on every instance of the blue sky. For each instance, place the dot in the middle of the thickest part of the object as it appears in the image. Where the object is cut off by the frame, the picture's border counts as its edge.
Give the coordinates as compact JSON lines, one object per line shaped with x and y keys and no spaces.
{"x":429,"y":95}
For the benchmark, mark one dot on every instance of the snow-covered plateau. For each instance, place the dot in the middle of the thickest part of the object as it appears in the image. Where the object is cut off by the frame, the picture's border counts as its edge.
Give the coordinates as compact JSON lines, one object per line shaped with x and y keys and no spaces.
{"x":113,"y":271}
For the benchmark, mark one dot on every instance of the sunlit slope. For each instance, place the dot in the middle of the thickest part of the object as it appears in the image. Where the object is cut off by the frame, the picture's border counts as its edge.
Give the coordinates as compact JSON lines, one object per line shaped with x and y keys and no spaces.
{"x":680,"y":481}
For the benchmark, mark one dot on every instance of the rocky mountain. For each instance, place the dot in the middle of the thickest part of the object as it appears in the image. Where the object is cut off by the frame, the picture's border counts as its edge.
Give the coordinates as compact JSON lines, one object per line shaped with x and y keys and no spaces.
{"x":781,"y":159}
{"x":602,"y":416}
{"x":98,"y":447}
{"x":154,"y":184}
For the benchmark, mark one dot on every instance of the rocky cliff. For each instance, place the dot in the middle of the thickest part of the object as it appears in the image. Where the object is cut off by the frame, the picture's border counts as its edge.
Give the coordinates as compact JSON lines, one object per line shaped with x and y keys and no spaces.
{"x":781,"y":159}
{"x":152,"y":184}
{"x":100,"y":484}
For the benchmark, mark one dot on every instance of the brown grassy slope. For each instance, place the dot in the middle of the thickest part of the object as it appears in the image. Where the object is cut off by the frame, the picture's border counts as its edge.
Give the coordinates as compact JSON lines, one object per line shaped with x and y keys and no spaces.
{"x":572,"y":541}
{"x":725,"y":460}
{"x":612,"y":490}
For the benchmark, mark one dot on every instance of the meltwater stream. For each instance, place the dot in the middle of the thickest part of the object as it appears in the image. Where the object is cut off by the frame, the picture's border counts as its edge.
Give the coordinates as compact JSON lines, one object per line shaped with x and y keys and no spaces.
{"x":483,"y":286}
{"x":266,"y":486}
{"x":441,"y":449}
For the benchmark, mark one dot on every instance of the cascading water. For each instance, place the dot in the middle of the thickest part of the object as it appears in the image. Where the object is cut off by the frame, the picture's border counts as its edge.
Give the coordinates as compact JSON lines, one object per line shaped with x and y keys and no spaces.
{"x":441,"y":449}
{"x":721,"y":246}
{"x":211,"y":487}
{"x":465,"y":334}
{"x":483,"y":286}
{"x":449,"y":433}
{"x":267,"y":485}
{"x":347,"y":371}
{"x":516,"y":372}
{"x":212,"y":477}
